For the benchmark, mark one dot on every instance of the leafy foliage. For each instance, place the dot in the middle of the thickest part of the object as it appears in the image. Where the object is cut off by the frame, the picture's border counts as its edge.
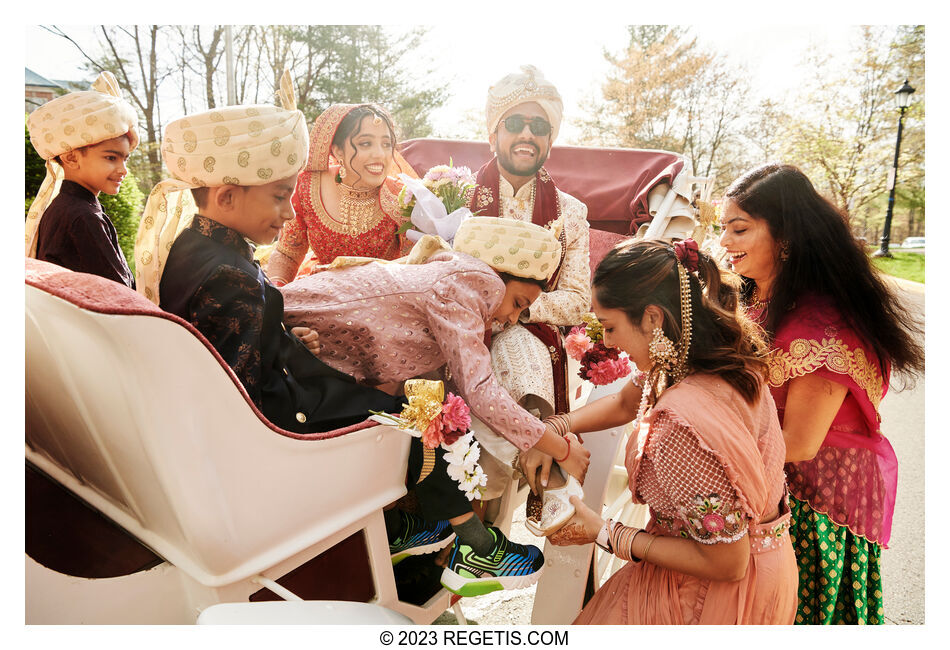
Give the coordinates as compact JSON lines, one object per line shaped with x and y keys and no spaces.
{"x":362,"y":63}
{"x":125,"y":210}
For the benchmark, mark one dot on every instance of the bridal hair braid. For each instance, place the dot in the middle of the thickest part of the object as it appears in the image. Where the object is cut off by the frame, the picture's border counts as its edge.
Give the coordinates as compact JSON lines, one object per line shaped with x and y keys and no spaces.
{"x":725,"y":342}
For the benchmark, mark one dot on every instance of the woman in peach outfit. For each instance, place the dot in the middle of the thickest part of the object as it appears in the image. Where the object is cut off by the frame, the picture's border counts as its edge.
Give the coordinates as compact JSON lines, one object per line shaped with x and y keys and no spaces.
{"x":707,"y":457}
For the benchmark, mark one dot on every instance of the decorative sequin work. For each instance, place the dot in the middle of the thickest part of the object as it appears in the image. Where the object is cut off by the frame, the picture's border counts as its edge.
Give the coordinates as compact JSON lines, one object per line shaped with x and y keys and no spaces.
{"x":807,"y":355}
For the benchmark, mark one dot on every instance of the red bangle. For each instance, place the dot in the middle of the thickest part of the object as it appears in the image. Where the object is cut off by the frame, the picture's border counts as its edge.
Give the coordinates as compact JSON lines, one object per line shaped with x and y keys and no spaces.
{"x":561,"y":460}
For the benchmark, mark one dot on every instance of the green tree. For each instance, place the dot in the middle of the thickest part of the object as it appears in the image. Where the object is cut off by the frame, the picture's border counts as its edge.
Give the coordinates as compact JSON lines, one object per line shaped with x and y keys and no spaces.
{"x":359,"y":63}
{"x":665,"y":92}
{"x":125,"y":210}
{"x":844,"y":134}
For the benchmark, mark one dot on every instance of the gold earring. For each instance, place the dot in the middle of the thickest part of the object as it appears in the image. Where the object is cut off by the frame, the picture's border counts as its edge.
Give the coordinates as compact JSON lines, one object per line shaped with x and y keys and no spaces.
{"x":664,"y":356}
{"x":662,"y":350}
{"x":783,"y":251}
{"x":340,"y":175}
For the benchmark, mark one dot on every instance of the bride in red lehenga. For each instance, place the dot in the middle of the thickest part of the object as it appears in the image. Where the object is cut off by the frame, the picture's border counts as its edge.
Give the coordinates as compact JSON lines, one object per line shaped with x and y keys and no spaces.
{"x":345,"y":198}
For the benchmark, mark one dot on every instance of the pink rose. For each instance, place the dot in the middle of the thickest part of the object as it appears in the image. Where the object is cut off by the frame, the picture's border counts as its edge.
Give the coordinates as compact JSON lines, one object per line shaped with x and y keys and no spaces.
{"x":577,"y":343}
{"x":713,"y":522}
{"x":432,"y":436}
{"x":455,"y":415}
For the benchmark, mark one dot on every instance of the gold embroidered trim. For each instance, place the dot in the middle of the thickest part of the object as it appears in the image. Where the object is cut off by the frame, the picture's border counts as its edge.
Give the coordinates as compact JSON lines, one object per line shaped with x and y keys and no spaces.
{"x":805,"y":356}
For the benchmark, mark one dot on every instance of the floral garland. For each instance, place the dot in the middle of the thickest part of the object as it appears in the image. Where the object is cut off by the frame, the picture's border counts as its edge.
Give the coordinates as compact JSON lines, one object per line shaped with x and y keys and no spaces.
{"x":441,"y":423}
{"x":600,"y":365}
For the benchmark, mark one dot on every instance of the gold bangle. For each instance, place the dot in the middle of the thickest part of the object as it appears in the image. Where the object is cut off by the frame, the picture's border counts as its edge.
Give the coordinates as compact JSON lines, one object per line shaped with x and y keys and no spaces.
{"x":646,"y":551}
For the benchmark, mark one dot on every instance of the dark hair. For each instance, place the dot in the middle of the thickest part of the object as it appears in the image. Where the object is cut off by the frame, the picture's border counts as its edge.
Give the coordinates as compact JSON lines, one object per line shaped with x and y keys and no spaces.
{"x":350,"y":126}
{"x":508,"y":277}
{"x":824,"y":258}
{"x":636,"y":274}
{"x":200,"y":194}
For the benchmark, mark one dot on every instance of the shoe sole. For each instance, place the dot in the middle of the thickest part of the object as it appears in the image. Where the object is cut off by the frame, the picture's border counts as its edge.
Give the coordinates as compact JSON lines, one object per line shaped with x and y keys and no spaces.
{"x":399,"y":556}
{"x":479,"y":586}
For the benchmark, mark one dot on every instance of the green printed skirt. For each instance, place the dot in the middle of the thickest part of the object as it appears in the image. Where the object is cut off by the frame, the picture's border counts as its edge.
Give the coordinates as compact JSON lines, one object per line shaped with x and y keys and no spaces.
{"x":839,"y":573}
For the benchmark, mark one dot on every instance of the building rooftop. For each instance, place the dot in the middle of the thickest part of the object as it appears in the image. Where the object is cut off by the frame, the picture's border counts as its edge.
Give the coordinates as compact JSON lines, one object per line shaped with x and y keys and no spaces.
{"x":33,"y":79}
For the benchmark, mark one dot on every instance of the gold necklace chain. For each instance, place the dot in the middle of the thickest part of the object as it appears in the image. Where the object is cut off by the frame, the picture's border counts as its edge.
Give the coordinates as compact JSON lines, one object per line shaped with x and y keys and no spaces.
{"x":358,"y":209}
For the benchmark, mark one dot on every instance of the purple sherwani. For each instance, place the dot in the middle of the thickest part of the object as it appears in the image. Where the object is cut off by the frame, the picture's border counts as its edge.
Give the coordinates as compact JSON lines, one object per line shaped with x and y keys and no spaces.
{"x":384,"y":323}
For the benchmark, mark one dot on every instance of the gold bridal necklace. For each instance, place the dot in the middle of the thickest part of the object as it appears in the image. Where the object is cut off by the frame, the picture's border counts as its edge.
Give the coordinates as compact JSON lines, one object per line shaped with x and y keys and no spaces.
{"x":357,"y":209}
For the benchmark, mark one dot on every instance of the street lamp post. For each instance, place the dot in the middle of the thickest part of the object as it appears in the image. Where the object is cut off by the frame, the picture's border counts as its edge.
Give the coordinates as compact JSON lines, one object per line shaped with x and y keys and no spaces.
{"x":903,"y":101}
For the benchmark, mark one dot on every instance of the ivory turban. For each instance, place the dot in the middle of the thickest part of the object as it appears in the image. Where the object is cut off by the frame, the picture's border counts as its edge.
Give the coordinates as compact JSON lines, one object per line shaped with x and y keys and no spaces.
{"x":235,"y":145}
{"x":518,"y":88}
{"x":73,"y":121}
{"x":520,"y":248}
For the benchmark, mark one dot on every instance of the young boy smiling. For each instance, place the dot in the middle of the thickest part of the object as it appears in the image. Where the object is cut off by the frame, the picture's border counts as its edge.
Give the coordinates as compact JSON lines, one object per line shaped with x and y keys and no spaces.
{"x":240,"y":164}
{"x":86,"y":138}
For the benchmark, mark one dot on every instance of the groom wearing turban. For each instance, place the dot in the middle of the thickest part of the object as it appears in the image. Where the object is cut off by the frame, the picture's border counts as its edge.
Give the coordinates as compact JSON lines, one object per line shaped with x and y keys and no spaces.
{"x":523,"y":115}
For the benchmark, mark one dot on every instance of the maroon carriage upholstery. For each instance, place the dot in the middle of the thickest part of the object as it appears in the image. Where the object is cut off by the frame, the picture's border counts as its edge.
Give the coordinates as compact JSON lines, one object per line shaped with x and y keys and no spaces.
{"x":613,"y":183}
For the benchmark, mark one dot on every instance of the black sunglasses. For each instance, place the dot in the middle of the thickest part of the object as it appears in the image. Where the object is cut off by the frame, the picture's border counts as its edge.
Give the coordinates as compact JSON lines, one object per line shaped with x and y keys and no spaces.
{"x":539,"y":126}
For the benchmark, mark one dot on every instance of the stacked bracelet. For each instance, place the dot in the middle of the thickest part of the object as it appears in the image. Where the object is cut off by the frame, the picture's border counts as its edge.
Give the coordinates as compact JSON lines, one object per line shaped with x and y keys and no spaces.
{"x":621,"y":540}
{"x":561,"y":423}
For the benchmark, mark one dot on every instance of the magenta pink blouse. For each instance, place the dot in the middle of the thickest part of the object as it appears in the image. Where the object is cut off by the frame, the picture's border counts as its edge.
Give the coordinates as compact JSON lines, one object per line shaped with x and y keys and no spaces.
{"x":853,"y":477}
{"x":385,"y":323}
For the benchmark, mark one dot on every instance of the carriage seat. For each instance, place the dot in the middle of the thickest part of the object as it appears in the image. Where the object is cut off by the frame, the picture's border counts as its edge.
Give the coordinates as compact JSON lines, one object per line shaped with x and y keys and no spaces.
{"x":135,"y":412}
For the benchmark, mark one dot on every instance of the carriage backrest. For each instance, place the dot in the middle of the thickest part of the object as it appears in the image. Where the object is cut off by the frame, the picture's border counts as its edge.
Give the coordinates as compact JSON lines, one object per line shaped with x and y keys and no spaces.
{"x":131,"y":408}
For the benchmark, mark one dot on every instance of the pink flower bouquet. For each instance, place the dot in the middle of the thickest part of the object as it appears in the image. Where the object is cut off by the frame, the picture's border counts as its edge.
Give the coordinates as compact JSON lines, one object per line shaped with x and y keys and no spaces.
{"x":600,"y":365}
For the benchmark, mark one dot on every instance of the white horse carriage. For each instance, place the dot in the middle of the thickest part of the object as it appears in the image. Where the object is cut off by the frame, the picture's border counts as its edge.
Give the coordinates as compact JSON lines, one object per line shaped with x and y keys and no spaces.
{"x":158,"y":493}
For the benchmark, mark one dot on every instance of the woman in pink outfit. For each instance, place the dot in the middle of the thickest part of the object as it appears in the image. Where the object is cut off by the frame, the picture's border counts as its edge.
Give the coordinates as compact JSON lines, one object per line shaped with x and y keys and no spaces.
{"x":707,"y":457}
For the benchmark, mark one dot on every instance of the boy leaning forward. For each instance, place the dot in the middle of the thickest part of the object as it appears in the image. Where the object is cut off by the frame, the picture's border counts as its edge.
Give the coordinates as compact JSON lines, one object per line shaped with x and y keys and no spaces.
{"x":240,"y":164}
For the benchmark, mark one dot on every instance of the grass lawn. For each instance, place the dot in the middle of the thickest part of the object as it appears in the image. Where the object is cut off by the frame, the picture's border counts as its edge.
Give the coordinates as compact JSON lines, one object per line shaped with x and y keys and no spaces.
{"x":909,"y":266}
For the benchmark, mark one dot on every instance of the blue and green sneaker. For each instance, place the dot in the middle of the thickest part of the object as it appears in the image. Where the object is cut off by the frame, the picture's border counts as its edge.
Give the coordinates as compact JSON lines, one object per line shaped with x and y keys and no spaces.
{"x":418,"y":537}
{"x":507,"y":566}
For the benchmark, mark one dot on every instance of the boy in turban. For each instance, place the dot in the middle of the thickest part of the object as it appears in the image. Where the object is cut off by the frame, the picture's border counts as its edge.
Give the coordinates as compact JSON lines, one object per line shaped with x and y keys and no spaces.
{"x":85,"y":138}
{"x":240,"y":164}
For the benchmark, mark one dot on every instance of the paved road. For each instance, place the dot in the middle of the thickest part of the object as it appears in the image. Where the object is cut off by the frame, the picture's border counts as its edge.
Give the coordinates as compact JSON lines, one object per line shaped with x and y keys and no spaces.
{"x":902,"y":412}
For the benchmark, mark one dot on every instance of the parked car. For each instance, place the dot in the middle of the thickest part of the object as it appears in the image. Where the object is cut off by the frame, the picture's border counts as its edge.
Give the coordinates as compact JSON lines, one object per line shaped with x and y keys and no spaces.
{"x":913,"y":242}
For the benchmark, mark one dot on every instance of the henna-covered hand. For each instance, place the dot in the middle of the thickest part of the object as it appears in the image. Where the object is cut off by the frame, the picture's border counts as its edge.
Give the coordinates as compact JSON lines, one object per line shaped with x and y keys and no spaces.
{"x":582,"y":528}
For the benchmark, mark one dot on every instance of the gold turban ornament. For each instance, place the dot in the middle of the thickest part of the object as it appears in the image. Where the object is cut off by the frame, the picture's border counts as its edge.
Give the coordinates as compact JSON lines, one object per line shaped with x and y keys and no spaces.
{"x":519,"y":248}
{"x":519,"y":88}
{"x":234,"y":145}
{"x":73,"y":121}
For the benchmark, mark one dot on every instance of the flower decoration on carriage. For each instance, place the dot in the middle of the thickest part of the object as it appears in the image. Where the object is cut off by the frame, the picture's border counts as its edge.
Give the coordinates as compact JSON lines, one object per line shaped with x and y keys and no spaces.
{"x":441,"y":422}
{"x":437,"y":203}
{"x":600,"y":365}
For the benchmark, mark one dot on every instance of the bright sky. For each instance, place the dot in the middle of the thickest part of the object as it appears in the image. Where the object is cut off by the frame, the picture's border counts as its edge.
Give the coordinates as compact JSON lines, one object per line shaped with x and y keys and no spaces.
{"x":570,"y":56}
